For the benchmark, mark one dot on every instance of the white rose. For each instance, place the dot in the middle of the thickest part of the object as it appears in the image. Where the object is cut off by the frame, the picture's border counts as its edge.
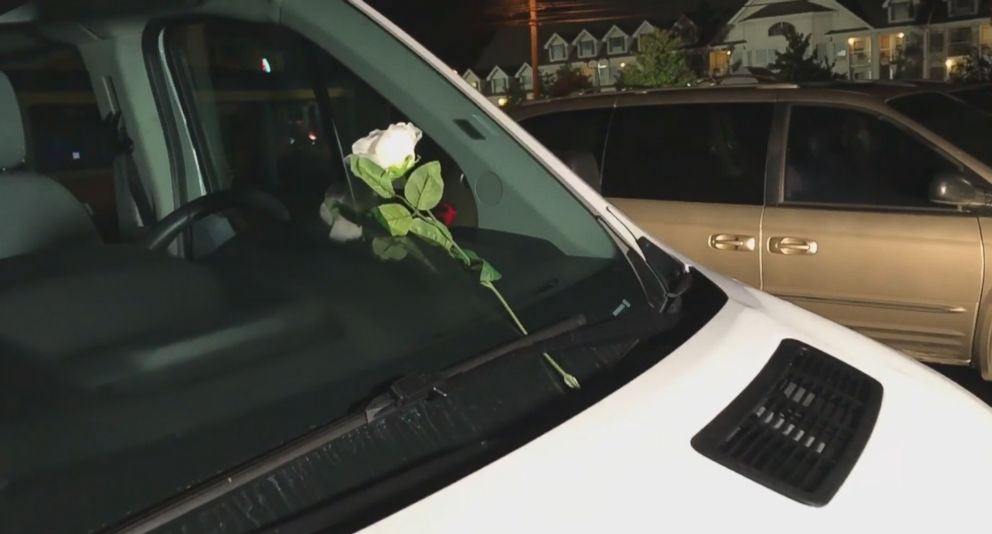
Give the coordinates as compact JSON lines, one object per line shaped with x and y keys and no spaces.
{"x":391,"y":148}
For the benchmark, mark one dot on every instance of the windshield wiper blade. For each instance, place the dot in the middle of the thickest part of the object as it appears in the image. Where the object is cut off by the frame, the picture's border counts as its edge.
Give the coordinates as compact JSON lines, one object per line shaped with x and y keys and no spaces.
{"x":417,"y":386}
{"x":570,"y":333}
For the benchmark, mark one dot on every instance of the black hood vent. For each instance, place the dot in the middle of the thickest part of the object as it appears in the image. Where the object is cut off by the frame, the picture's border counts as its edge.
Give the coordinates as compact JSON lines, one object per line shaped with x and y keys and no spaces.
{"x":799,"y":426}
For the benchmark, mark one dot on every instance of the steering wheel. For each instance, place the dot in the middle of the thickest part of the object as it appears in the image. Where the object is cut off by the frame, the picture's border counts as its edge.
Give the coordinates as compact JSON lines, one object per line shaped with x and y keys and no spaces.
{"x":166,"y":230}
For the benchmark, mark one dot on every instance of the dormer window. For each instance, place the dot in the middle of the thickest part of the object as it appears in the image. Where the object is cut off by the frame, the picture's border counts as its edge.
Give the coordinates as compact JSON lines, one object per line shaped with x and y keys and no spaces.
{"x":498,"y":85}
{"x":587,"y":48}
{"x":585,"y":45}
{"x":558,"y":52}
{"x":960,"y":8}
{"x":902,"y":10}
{"x":617,"y":45}
{"x":645,"y":27}
{"x":781,"y":28}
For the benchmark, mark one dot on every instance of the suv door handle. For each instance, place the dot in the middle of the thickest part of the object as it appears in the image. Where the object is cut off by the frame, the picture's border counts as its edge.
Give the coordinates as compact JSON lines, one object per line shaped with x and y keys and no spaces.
{"x":792,"y":246}
{"x":741,"y":243}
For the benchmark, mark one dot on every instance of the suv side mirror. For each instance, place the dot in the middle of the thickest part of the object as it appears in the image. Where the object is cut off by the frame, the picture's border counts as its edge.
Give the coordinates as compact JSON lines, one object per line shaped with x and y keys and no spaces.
{"x":956,"y":190}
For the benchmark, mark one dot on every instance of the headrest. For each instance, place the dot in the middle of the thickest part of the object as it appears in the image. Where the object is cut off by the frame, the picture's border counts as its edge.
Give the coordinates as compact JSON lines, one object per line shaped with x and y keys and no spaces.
{"x":583,"y":164}
{"x":37,"y":213}
{"x":12,"y":149}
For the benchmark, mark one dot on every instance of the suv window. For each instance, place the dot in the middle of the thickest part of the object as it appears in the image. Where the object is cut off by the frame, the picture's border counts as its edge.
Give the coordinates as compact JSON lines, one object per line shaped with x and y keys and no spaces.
{"x":692,"y":153}
{"x":843,"y":156}
{"x":578,"y":138}
{"x":66,"y":137}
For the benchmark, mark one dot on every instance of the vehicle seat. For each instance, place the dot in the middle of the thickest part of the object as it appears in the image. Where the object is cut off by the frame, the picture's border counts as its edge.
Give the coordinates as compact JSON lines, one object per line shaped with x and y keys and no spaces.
{"x":36,"y":212}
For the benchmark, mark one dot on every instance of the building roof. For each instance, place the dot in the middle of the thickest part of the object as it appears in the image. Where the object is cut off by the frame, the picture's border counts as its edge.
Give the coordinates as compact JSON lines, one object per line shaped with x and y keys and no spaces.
{"x":927,"y":12}
{"x":791,"y":7}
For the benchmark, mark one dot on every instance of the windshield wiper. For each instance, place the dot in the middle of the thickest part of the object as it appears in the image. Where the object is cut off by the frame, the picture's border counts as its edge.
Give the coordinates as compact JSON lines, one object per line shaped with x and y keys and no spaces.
{"x":570,"y":333}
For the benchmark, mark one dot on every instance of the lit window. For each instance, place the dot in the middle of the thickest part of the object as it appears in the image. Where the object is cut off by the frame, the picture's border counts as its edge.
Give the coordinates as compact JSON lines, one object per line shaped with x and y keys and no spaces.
{"x":860,"y":50}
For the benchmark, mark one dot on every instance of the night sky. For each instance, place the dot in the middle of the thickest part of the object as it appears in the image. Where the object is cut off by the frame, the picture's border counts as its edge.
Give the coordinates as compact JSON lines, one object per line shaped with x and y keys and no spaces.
{"x":458,"y":30}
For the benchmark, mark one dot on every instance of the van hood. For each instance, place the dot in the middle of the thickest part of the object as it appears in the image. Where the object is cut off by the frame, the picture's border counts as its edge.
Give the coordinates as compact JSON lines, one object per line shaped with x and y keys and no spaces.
{"x":626,"y":463}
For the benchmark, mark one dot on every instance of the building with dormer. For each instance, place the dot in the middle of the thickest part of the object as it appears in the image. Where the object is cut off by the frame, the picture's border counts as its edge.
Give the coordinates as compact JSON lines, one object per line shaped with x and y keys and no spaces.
{"x":862,"y":39}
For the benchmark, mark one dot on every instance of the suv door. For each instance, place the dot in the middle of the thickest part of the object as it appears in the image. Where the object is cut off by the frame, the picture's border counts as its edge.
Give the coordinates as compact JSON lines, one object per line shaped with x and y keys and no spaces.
{"x":693,"y":175}
{"x":855,"y":238}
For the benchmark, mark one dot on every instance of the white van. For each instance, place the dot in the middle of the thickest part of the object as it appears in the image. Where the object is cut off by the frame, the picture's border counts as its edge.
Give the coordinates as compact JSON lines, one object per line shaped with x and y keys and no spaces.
{"x":331,"y":288}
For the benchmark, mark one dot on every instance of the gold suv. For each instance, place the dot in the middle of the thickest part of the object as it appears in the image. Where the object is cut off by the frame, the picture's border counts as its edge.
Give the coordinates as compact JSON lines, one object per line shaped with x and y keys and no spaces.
{"x":866,"y":203}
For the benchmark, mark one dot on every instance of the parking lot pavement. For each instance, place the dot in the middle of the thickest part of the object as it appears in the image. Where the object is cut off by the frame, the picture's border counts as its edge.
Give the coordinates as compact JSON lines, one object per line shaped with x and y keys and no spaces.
{"x":969,"y":379}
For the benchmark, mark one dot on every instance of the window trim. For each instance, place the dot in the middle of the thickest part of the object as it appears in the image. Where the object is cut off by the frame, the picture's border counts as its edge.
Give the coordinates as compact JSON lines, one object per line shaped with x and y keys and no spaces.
{"x":954,"y":11}
{"x":776,"y":196}
{"x":912,"y":11}
{"x":781,"y":28}
{"x":551,"y":51}
{"x":616,"y":51}
{"x":582,"y":42}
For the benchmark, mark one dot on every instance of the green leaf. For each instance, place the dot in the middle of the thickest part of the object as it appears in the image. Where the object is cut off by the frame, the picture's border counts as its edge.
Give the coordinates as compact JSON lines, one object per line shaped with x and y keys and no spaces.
{"x":373,"y":175}
{"x":395,"y":218}
{"x":434,"y":233}
{"x":487,"y":273}
{"x":473,"y":257}
{"x":389,"y":248}
{"x":425,"y":186}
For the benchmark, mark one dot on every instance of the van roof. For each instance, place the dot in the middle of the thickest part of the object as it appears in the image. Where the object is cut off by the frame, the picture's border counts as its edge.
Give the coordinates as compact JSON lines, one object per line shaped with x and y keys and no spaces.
{"x":874,"y":90}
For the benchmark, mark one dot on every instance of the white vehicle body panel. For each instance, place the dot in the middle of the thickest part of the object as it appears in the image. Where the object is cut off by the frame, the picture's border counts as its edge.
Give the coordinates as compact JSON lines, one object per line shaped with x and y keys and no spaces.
{"x":626,"y":464}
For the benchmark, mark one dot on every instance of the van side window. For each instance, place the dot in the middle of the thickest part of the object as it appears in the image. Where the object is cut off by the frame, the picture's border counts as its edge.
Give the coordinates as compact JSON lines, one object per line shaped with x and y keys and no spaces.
{"x":843,"y":156}
{"x":691,"y":153}
{"x":577,"y":137}
{"x":66,"y":136}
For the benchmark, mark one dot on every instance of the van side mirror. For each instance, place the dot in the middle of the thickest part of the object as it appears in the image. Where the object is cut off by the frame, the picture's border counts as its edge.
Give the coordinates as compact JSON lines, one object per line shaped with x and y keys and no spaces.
{"x":955,"y":190}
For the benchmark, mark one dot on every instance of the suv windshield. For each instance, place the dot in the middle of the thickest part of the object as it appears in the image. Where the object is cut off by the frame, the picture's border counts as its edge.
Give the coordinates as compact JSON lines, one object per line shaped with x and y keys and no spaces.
{"x":132,"y":372}
{"x":952,"y":119}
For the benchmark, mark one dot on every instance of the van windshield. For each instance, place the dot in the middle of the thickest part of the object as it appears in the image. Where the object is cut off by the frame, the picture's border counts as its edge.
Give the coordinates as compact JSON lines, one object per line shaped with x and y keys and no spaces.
{"x":952,"y":119}
{"x":303,"y":271}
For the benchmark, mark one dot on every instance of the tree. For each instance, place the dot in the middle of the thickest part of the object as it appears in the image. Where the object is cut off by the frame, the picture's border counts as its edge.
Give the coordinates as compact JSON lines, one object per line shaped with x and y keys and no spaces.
{"x":975,"y":67}
{"x":797,"y":64}
{"x":569,"y":80}
{"x":515,"y":92}
{"x":660,"y":62}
